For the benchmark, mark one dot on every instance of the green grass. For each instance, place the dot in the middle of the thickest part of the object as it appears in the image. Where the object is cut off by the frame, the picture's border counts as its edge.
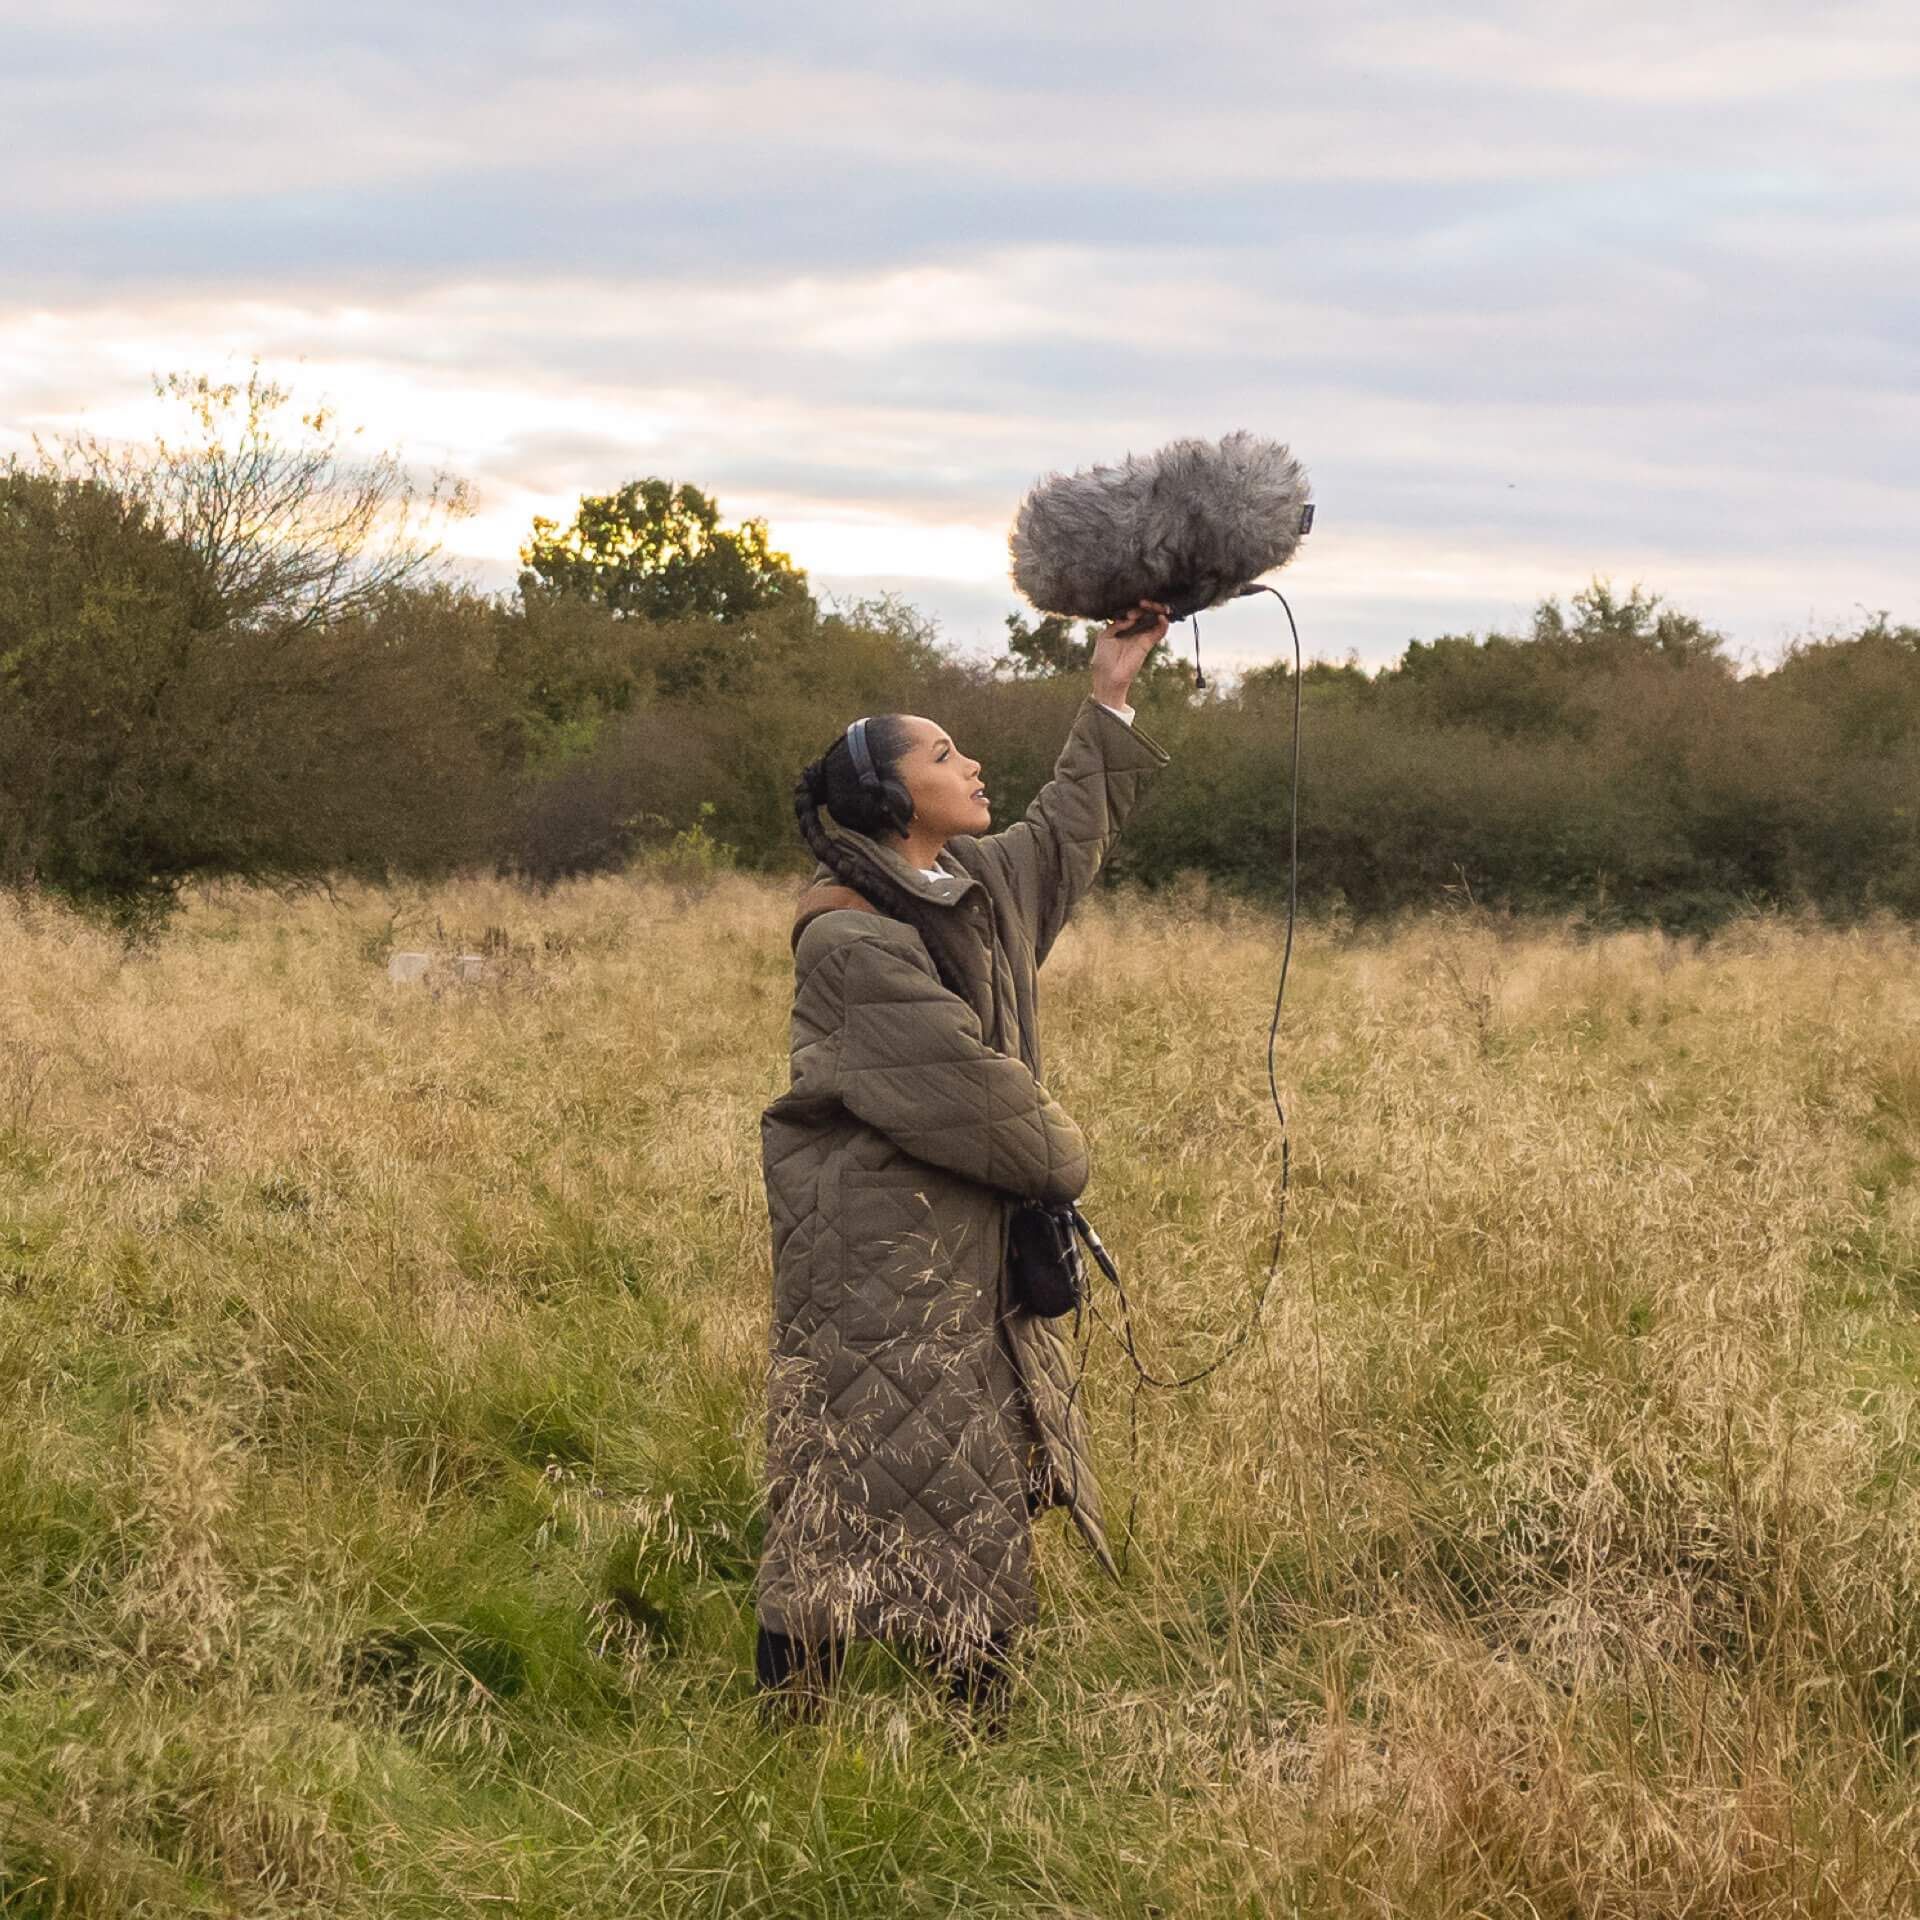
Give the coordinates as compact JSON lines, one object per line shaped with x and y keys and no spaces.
{"x":381,"y":1389}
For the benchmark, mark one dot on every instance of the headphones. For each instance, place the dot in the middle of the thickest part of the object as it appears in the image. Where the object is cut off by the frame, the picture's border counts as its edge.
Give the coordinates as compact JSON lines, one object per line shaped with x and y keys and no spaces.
{"x":893,"y":796}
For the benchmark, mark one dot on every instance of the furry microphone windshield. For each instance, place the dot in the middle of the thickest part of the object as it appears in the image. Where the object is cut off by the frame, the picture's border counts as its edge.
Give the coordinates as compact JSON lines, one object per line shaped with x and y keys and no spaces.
{"x":1190,"y":525}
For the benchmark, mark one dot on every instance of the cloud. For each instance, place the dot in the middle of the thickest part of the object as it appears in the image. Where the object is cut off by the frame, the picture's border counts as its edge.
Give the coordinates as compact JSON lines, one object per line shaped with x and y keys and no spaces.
{"x":1534,"y":295}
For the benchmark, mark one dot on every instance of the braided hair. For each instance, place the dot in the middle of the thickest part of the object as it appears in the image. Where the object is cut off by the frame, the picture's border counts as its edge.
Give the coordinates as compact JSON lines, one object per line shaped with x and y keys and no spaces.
{"x":832,"y":781}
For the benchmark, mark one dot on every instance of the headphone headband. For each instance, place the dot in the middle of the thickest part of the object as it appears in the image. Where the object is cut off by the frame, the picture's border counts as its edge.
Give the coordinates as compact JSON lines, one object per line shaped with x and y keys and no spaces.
{"x":862,"y":759}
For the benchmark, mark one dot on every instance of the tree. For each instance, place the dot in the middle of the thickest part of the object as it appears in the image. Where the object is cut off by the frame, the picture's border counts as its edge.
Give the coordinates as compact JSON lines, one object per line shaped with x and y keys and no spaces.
{"x":291,"y":532}
{"x":657,"y":550}
{"x":1043,"y":649}
{"x":1323,"y":679}
{"x":1047,"y":649}
{"x":99,"y":610}
{"x":1608,"y":631}
{"x":219,"y":659}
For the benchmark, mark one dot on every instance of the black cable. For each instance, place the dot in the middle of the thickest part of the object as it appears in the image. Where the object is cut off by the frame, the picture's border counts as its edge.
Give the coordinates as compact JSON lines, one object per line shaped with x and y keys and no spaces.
{"x":1144,"y":1377}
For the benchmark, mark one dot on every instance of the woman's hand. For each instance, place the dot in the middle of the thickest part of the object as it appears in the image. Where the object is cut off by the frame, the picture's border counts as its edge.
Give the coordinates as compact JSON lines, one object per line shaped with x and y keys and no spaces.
{"x":1118,"y":655}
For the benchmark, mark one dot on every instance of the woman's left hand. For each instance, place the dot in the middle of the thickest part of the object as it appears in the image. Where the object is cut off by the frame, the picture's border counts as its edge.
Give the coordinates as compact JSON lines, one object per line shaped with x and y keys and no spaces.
{"x":1116,"y":659}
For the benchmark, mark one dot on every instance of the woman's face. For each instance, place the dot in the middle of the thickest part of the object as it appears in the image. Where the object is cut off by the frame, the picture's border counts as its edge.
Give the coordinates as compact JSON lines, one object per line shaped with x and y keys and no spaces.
{"x":947,"y":794}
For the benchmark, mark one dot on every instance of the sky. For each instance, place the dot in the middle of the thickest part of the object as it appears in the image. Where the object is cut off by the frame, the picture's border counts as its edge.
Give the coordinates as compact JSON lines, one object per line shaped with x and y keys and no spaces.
{"x":1537,"y":293}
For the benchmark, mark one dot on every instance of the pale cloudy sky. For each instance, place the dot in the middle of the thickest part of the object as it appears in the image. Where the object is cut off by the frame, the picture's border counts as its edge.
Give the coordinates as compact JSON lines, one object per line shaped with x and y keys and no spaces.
{"x":1536,"y":292}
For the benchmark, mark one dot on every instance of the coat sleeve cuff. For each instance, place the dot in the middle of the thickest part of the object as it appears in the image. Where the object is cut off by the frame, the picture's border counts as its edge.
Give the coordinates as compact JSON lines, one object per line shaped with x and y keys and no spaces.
{"x":1131,"y":746}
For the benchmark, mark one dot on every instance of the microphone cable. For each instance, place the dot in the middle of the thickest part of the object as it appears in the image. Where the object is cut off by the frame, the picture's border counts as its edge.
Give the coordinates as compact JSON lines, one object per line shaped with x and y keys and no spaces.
{"x":1144,"y":1376}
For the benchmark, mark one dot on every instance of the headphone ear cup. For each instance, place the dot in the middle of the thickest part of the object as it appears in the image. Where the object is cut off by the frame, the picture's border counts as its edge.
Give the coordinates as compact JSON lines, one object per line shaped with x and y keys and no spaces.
{"x":899,"y":802}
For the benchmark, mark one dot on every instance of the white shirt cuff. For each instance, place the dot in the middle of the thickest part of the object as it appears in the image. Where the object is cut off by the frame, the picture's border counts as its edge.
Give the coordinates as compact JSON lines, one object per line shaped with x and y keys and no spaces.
{"x":1125,"y":713}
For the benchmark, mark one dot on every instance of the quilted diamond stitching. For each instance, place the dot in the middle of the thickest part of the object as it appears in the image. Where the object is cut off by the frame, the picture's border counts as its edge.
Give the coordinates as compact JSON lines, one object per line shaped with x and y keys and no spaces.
{"x":879,"y":971}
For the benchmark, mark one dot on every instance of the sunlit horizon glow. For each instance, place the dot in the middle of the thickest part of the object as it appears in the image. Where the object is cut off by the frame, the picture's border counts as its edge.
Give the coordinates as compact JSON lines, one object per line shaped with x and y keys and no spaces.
{"x":1534,"y":304}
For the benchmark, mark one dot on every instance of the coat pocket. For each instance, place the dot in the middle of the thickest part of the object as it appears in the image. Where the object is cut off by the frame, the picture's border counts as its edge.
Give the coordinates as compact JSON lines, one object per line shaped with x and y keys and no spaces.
{"x":908,"y":1275}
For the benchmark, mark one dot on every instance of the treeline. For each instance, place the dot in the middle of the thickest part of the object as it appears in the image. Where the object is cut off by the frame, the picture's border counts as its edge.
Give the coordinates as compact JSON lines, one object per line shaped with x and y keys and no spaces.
{"x":1612,"y":761}
{"x":236,"y":656}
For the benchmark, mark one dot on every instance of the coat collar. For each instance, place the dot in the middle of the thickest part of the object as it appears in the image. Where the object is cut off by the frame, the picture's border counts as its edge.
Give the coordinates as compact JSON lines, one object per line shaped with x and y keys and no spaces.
{"x":825,"y":891}
{"x":953,"y":885}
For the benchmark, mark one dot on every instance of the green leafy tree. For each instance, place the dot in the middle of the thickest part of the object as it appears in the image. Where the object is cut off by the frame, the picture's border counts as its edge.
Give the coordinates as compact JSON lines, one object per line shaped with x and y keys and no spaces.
{"x":1608,"y":631}
{"x":1046,"y":649}
{"x":1566,"y":672}
{"x":1323,"y":679}
{"x":657,"y":551}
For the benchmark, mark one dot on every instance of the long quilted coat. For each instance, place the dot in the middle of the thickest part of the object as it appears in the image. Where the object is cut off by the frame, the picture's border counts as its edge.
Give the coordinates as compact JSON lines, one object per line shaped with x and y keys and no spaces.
{"x":916,"y":1417}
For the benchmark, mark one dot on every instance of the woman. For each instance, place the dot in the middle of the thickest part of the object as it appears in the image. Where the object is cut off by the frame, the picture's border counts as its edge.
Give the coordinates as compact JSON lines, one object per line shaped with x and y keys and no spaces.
{"x":916,"y":1417}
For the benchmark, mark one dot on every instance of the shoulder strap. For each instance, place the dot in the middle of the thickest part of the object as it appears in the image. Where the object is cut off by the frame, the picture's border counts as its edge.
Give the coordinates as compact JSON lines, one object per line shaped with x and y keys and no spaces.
{"x":825,"y":898}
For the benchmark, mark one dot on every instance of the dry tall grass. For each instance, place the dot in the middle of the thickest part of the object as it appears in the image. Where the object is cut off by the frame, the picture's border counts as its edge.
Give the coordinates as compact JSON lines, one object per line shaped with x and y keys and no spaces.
{"x":380,"y":1429}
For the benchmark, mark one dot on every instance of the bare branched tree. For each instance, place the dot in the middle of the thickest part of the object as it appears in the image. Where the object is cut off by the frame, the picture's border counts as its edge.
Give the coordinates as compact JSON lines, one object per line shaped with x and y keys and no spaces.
{"x":293,"y":532}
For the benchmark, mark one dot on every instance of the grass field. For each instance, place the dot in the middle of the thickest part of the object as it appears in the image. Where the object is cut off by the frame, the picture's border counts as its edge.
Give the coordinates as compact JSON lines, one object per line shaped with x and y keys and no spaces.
{"x":380,"y":1377}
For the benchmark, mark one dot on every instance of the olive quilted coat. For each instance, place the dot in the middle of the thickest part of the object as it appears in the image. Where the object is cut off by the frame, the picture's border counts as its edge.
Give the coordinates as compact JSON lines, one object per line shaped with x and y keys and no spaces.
{"x":917,"y":1418}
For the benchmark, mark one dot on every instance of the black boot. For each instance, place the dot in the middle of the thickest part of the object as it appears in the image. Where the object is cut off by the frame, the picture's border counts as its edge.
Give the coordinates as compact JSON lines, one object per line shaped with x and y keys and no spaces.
{"x":792,"y":1674}
{"x":981,"y":1681}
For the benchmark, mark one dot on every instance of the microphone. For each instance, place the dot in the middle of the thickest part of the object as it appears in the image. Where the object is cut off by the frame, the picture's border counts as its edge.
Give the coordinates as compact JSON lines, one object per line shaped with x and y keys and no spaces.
{"x":1191,"y":526}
